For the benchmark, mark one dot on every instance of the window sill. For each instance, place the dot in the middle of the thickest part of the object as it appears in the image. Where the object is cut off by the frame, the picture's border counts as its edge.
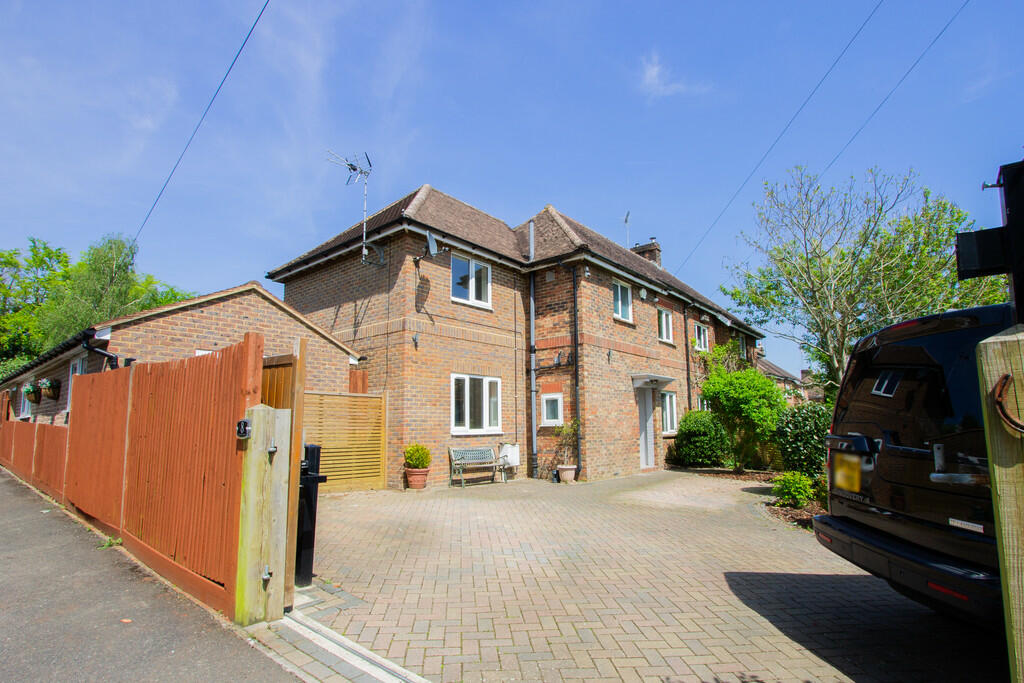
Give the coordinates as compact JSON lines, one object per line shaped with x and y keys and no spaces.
{"x":623,"y":321}
{"x":486,"y":432}
{"x":473,"y":304}
{"x":552,"y":424}
{"x":667,"y":342}
{"x":668,"y":435}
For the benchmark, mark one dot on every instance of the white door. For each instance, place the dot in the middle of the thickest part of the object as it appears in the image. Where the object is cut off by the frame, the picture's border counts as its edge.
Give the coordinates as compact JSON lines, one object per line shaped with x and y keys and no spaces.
{"x":645,"y":408}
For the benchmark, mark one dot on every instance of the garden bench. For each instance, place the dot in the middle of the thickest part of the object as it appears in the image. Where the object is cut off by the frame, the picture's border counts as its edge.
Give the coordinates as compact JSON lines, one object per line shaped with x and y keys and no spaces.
{"x":461,"y":459}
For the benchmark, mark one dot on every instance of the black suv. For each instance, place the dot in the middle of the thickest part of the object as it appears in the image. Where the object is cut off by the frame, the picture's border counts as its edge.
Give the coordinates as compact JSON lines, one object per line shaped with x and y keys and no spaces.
{"x":909,"y":494}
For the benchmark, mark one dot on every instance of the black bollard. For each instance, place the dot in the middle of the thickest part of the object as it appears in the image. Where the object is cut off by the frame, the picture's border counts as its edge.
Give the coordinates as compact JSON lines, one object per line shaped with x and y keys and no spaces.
{"x":309,"y":485}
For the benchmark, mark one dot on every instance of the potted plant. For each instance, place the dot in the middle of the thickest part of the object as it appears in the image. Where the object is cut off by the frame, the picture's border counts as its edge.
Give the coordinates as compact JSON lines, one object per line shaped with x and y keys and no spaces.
{"x":417,"y":465}
{"x":567,"y":434}
{"x":50,"y":388}
{"x":31,"y":392}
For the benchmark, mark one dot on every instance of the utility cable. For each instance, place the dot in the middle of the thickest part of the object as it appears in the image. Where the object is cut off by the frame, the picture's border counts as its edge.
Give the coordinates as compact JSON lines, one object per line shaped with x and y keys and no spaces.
{"x":779,"y":137}
{"x":898,"y":83}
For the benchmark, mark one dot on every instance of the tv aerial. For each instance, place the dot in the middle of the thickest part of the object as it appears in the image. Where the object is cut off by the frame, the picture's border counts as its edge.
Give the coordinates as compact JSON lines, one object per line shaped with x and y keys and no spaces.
{"x":357,"y":171}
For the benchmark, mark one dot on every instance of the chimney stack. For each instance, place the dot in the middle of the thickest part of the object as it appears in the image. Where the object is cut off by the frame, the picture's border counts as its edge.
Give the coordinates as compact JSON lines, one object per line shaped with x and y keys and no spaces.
{"x":650,"y":251}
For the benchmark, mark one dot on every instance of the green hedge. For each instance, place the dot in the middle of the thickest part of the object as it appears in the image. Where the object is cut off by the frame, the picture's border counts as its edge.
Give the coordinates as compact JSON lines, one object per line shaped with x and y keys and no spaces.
{"x":800,"y":436}
{"x":793,"y":489}
{"x":701,"y":441}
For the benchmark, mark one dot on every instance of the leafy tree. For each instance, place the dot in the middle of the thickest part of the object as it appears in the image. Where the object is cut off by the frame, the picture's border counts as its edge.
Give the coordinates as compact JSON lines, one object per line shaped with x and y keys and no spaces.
{"x":839,"y":263}
{"x":748,"y":405}
{"x":102,"y":285}
{"x":25,"y":283}
{"x":44,"y":299}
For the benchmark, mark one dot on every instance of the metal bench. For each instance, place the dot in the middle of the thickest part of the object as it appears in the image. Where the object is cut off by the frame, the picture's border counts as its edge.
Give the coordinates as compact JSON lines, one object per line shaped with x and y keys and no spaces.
{"x":462,"y":459}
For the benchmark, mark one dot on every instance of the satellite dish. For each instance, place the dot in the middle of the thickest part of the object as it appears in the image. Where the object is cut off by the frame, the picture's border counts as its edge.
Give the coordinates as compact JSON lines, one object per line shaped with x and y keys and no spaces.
{"x":431,"y":245}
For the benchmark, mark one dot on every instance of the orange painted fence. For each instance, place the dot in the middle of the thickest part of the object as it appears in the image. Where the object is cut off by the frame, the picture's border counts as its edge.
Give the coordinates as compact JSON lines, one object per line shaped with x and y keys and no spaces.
{"x":151,"y":455}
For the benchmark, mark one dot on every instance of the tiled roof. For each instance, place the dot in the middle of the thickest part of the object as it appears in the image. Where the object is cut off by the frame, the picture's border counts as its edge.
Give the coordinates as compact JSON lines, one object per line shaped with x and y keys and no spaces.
{"x":772,"y":370}
{"x":442,"y":213}
{"x":555,"y":235}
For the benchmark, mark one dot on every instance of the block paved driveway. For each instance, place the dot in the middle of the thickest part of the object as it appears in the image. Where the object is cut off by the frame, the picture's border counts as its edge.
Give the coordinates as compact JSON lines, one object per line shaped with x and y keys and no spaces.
{"x":666,"y":576}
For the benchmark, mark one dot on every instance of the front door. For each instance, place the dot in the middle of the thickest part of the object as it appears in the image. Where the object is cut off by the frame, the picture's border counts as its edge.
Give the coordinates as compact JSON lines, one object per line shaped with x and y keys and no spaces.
{"x":645,"y":408}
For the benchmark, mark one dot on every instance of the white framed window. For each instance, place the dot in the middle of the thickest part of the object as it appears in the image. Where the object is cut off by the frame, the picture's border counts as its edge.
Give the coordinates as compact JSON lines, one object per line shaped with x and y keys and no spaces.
{"x":887,"y":382}
{"x":669,"y":421}
{"x":700,"y":337}
{"x":665,"y":325}
{"x":551,"y":410}
{"x":476,"y":404}
{"x":702,"y":403}
{"x":471,"y":281}
{"x":207,"y":352}
{"x":622,"y":301}
{"x":24,"y":405}
{"x":76,"y":367}
{"x":741,"y":344}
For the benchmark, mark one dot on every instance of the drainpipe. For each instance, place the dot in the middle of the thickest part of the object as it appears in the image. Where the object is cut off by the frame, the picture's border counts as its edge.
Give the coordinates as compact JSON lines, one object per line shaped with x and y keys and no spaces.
{"x":533,"y":366}
{"x":686,"y":348}
{"x":576,"y":369}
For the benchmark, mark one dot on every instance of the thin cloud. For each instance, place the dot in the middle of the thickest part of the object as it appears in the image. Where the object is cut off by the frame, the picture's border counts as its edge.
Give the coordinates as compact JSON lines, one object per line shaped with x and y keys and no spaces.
{"x":657,"y":81}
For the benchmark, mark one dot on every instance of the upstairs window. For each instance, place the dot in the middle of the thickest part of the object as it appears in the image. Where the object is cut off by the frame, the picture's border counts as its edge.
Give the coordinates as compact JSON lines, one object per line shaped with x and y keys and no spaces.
{"x":702,"y":403}
{"x":622,"y":301}
{"x":700,"y":337}
{"x":476,"y":404}
{"x":471,"y":281}
{"x":665,"y":325}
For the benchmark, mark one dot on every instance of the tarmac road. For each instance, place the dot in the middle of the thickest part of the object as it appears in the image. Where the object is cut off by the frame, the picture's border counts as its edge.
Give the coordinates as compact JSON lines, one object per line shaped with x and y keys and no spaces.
{"x":63,"y":601}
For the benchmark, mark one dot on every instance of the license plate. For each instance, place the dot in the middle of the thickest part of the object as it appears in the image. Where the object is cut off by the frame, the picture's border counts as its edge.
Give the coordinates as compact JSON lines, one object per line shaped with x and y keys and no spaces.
{"x":846,"y":472}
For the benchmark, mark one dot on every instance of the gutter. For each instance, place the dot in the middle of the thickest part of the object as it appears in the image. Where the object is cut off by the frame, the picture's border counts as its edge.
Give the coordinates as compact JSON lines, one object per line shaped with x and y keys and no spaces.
{"x":686,"y":351}
{"x":576,"y":370}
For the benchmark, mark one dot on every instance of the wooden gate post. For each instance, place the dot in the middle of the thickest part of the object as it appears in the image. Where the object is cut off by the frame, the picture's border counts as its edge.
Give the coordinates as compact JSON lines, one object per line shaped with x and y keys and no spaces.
{"x":998,"y":356}
{"x":263,"y":518}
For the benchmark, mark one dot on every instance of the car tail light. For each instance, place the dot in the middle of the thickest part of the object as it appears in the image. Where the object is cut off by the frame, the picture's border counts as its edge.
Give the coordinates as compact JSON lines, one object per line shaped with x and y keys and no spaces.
{"x":824,"y":538}
{"x":939,"y":588}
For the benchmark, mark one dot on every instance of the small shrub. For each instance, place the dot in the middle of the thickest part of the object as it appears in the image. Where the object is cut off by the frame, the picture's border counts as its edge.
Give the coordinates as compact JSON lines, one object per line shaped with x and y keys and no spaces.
{"x":417,"y":456}
{"x":821,"y":489}
{"x":801,"y":437}
{"x":792,"y":489}
{"x":701,"y":441}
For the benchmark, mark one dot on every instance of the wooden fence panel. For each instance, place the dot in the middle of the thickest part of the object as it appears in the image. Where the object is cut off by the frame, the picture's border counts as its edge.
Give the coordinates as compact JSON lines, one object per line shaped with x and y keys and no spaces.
{"x":278,"y":377}
{"x":350,"y":431}
{"x":50,"y":458}
{"x":24,"y":445}
{"x":95,"y":468}
{"x":183,"y":478}
{"x":6,"y":442}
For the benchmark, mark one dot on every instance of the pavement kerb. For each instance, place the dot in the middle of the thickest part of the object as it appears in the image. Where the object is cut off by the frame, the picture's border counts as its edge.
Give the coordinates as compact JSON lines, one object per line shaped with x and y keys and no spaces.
{"x":217,"y":617}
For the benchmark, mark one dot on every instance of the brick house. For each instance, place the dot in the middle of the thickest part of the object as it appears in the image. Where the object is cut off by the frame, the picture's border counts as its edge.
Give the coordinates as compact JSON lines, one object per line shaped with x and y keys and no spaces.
{"x":792,"y":386}
{"x":180,"y":330}
{"x":448,"y":335}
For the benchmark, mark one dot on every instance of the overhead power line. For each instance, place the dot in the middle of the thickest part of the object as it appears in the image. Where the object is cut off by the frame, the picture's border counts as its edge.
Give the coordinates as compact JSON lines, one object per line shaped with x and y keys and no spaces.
{"x":898,"y":83}
{"x":779,"y":136}
{"x":198,"y":124}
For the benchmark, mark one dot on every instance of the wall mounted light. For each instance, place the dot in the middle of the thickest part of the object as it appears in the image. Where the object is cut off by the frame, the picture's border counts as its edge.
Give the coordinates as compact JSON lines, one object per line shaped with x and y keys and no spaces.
{"x":586,"y":271}
{"x":609,"y":355}
{"x":416,"y":340}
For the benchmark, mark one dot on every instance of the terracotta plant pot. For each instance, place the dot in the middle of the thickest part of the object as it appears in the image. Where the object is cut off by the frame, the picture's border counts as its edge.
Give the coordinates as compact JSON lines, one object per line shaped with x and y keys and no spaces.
{"x":417,"y":478}
{"x":566,"y":473}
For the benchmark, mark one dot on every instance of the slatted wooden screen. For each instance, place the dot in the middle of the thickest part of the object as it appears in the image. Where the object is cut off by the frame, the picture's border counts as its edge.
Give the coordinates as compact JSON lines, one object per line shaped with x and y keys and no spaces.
{"x":350,"y":430}
{"x":278,"y":377}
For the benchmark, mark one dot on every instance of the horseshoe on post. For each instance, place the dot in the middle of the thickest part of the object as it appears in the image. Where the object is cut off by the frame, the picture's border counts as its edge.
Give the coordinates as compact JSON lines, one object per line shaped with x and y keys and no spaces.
{"x":1004,"y":414}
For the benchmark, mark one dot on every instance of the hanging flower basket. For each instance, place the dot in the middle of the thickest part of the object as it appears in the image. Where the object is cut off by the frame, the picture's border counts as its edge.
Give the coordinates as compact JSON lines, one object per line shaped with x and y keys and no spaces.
{"x":50,"y":388}
{"x":31,"y":392}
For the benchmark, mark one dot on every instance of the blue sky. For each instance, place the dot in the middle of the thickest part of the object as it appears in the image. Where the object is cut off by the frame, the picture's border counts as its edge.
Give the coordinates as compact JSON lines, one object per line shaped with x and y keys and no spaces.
{"x":660,"y":109}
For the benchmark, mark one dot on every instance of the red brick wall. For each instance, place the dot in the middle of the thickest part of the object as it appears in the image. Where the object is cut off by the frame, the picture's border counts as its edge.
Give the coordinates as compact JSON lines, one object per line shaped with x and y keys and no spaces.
{"x":48,"y":410}
{"x":215,"y":324}
{"x":380,"y":309}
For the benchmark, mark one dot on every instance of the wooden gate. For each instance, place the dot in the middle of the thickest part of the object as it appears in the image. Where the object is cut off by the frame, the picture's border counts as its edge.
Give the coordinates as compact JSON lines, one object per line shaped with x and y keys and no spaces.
{"x":351,"y":432}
